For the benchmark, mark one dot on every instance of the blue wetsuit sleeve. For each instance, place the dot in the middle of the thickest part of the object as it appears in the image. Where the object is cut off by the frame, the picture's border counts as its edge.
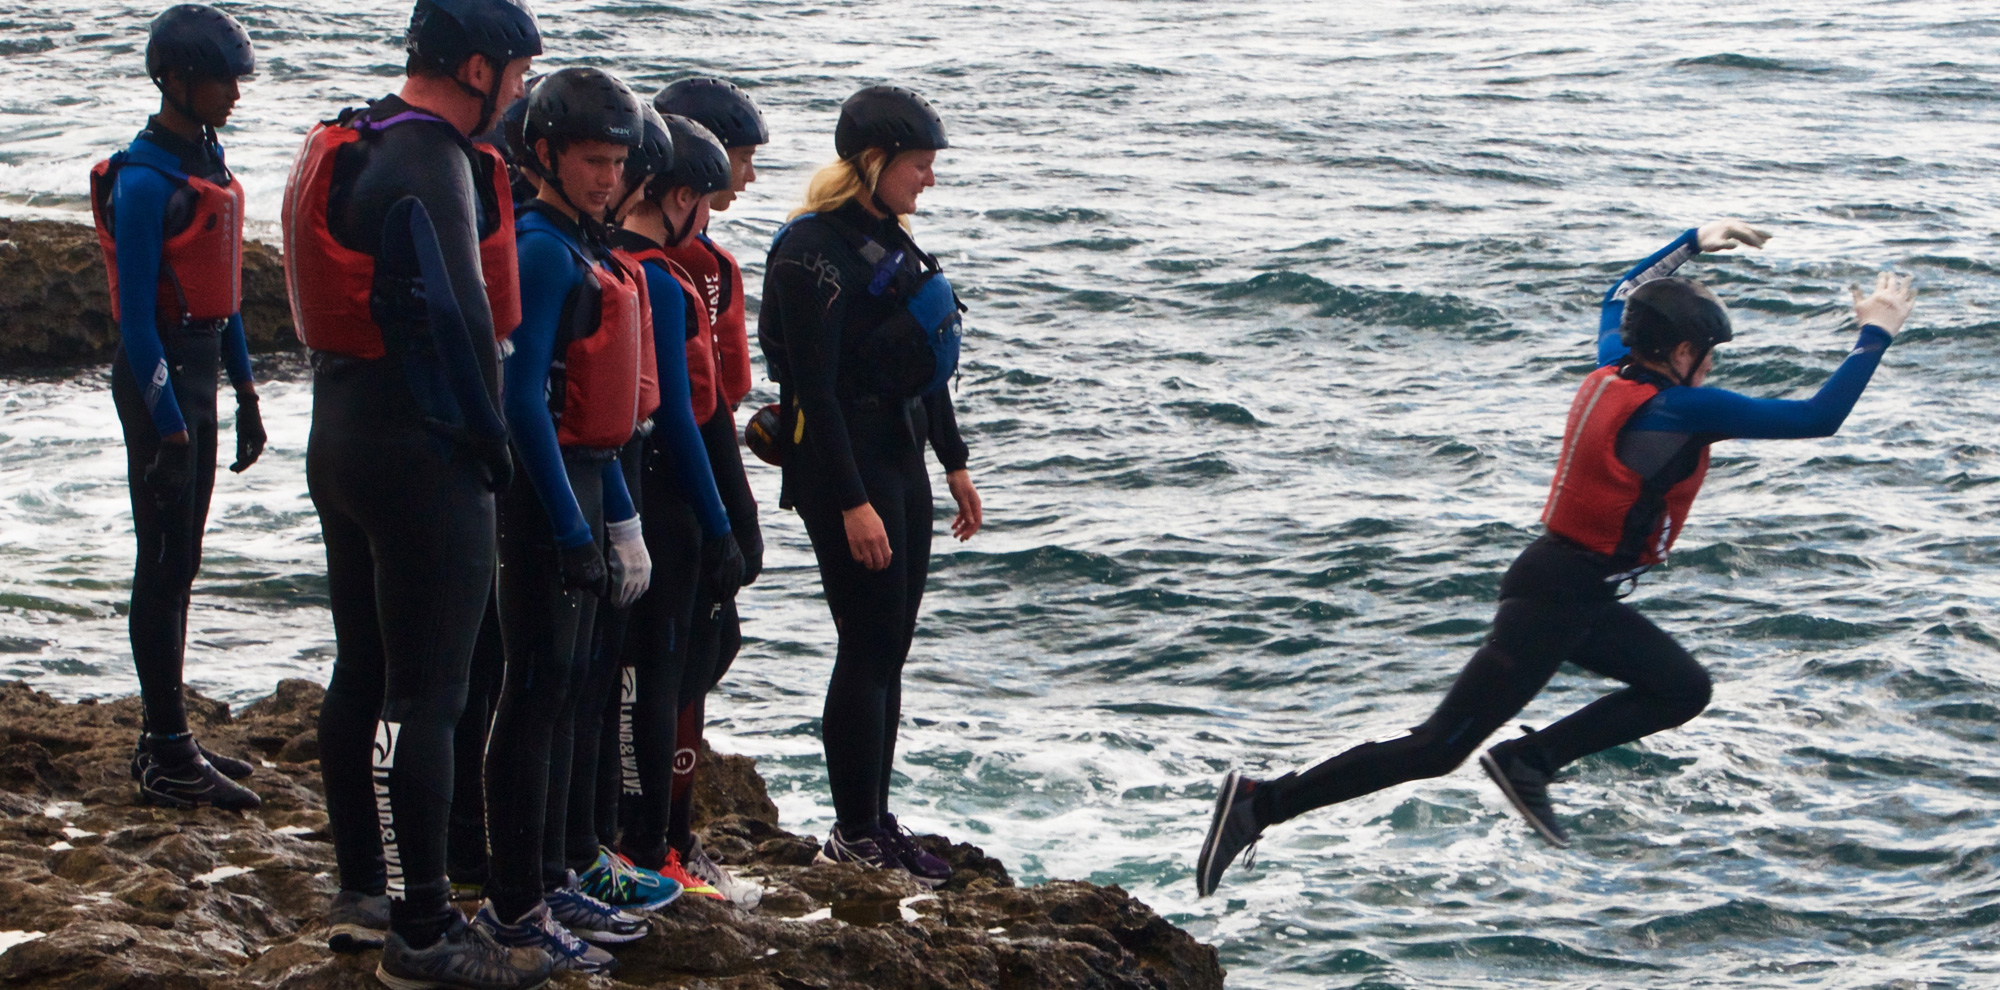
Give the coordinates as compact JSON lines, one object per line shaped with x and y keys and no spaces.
{"x":617,"y":498}
{"x":1725,"y":415}
{"x":548,"y":274}
{"x":139,"y":201}
{"x":1660,"y":264}
{"x":236,"y":352}
{"x":674,"y":426}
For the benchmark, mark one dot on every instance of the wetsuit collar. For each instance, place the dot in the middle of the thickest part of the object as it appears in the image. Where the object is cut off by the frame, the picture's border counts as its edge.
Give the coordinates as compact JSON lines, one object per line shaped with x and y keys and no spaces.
{"x":203,"y":158}
{"x":585,"y":232}
{"x":627,"y":240}
{"x":1635,"y":372}
{"x":857,"y":216}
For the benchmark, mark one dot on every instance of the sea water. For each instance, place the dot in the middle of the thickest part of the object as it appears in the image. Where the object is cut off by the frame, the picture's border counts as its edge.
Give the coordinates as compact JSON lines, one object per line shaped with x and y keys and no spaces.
{"x":1276,"y":309}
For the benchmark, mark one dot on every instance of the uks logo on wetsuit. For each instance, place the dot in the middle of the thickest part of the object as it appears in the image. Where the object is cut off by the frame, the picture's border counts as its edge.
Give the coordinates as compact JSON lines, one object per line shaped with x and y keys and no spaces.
{"x":386,"y":735}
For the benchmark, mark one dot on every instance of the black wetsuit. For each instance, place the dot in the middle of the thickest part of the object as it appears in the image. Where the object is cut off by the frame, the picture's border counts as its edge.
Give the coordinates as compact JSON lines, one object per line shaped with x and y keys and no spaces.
{"x":408,"y":525}
{"x":1558,"y":602}
{"x":191,"y":355}
{"x":858,"y":447}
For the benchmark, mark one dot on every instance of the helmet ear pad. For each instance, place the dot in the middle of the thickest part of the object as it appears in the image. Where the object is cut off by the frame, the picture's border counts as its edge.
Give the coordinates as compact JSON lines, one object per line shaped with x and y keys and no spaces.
{"x":1665,"y":313}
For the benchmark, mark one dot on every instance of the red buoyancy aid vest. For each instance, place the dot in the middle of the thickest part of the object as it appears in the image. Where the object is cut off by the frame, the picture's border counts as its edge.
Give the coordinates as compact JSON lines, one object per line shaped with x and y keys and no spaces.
{"x":329,"y":284}
{"x":201,"y":268}
{"x":601,"y":370}
{"x":1594,"y":495}
{"x":715,"y":272}
{"x":700,"y":333}
{"x":649,"y":361}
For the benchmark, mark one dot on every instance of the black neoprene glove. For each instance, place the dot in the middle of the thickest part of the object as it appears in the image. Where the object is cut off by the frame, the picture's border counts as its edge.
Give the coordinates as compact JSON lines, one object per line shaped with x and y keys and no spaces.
{"x":498,"y":461}
{"x":250,"y":435}
{"x":583,"y":567}
{"x":722,"y":566}
{"x":750,"y":540}
{"x":172,"y":471}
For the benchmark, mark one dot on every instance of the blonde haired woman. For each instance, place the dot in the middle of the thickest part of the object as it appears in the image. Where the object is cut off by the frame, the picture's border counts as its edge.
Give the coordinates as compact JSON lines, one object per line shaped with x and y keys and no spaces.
{"x":860,"y":329}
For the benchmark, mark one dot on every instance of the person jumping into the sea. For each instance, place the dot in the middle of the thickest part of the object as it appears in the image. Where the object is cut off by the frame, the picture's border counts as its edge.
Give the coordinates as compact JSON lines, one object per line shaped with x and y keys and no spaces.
{"x":1633,"y":456}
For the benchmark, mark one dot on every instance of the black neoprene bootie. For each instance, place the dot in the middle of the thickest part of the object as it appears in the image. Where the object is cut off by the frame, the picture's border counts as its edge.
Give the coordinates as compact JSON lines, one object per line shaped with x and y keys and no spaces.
{"x":172,"y":771}
{"x":228,"y":766}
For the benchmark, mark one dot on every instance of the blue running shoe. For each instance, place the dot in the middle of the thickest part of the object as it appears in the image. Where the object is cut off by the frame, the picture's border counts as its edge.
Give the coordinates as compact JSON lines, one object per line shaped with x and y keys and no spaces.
{"x":616,"y":881}
{"x":591,"y":918}
{"x":538,"y":930}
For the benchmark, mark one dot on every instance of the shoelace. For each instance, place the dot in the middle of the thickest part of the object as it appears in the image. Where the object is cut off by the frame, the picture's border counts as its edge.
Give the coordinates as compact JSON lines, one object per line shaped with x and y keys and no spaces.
{"x":571,"y":945}
{"x":624,"y":876}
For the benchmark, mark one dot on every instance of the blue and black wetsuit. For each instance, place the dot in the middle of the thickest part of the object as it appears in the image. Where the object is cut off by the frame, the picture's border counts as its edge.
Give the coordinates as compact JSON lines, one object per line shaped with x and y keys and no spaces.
{"x":682,"y":510}
{"x":163,"y":381}
{"x":561,"y":498}
{"x":1559,"y":602}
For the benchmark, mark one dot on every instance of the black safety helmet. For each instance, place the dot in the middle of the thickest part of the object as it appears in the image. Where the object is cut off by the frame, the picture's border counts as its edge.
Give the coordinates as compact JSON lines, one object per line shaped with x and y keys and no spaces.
{"x":700,"y":163}
{"x":444,"y":33}
{"x":509,"y":131}
{"x":888,"y":117}
{"x":197,"y":42}
{"x":580,"y":104}
{"x":652,"y":162}
{"x":718,"y":105}
{"x":1665,"y":313}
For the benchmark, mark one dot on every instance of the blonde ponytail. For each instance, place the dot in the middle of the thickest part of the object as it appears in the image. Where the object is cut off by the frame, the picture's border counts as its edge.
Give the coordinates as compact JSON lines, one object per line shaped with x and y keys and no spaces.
{"x":836,"y":183}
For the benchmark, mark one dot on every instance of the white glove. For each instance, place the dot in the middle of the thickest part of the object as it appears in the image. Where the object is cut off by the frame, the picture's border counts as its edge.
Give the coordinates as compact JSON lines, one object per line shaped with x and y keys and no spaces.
{"x":633,"y":565}
{"x":1727,"y":233}
{"x":1890,"y":305}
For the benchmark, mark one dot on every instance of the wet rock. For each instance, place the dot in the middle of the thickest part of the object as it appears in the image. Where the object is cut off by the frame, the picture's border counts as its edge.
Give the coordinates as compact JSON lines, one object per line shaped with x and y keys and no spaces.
{"x":133,"y":896}
{"x":55,"y":302}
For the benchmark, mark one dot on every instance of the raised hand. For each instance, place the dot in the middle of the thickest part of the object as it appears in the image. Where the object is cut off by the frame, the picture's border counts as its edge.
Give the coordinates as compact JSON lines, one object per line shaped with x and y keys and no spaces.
{"x":1726,"y":233}
{"x":1895,"y":295}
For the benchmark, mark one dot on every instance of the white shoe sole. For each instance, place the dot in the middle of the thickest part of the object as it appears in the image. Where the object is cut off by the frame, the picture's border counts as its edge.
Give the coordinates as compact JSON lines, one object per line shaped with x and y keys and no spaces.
{"x":1225,"y":802}
{"x":404,"y":983}
{"x":1492,"y":768}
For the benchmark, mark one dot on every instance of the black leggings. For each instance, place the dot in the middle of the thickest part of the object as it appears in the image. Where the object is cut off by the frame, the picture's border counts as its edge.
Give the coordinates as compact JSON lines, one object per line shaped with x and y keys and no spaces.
{"x":593,"y":778}
{"x":408,"y":530}
{"x":651,"y":663}
{"x":875,"y":612}
{"x":465,"y":859}
{"x":545,"y":627}
{"x":169,"y":539}
{"x":1555,"y":607}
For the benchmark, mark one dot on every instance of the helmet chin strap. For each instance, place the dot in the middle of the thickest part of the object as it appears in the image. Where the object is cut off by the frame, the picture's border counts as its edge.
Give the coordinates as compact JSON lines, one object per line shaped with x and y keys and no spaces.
{"x":489,"y":100}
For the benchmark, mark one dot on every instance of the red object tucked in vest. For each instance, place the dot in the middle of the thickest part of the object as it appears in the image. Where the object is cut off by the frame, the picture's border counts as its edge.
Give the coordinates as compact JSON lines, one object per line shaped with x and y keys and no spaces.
{"x":329,"y":284}
{"x":713,"y":270}
{"x":700,"y":350}
{"x":201,"y":268}
{"x":601,"y":371}
{"x":1594,"y":493}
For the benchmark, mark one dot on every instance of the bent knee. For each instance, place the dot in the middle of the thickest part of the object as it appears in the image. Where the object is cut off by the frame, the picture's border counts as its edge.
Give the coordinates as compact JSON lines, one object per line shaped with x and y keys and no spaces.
{"x":1691,"y":698}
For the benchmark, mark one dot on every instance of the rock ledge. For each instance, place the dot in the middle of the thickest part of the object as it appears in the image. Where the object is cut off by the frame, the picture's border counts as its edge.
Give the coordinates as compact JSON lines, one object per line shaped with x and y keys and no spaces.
{"x":102,"y":893}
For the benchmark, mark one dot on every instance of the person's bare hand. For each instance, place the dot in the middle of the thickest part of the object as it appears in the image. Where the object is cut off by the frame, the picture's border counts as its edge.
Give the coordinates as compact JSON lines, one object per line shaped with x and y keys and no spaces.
{"x":970,"y":514}
{"x":1895,"y":295}
{"x":866,"y":539}
{"x":1727,"y":233}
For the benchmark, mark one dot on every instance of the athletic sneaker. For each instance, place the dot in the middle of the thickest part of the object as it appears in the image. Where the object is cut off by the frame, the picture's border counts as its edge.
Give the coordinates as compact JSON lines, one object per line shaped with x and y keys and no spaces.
{"x":538,"y":930}
{"x":929,"y":869}
{"x":591,"y":918}
{"x":1526,"y":786}
{"x":1233,"y":831}
{"x":736,"y":890}
{"x":172,"y":772}
{"x":676,"y":869}
{"x":614,"y":880}
{"x":465,"y":958}
{"x":357,"y":921}
{"x":228,"y":766}
{"x":870,"y":848}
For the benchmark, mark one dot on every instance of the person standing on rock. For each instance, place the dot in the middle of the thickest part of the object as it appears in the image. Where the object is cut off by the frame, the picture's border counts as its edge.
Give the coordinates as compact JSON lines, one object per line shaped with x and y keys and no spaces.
{"x":169,"y":217}
{"x":1634,"y":453}
{"x":569,"y":533}
{"x":860,"y":330}
{"x":401,"y":268}
{"x":687,"y":528}
{"x":719,"y":377}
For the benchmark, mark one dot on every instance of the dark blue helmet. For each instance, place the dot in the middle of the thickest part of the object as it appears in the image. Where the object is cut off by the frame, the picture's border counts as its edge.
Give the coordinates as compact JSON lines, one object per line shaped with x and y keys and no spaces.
{"x":718,"y":105}
{"x":891,"y":118}
{"x":1665,"y":313}
{"x":700,"y":163}
{"x":197,"y":41}
{"x":444,"y":33}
